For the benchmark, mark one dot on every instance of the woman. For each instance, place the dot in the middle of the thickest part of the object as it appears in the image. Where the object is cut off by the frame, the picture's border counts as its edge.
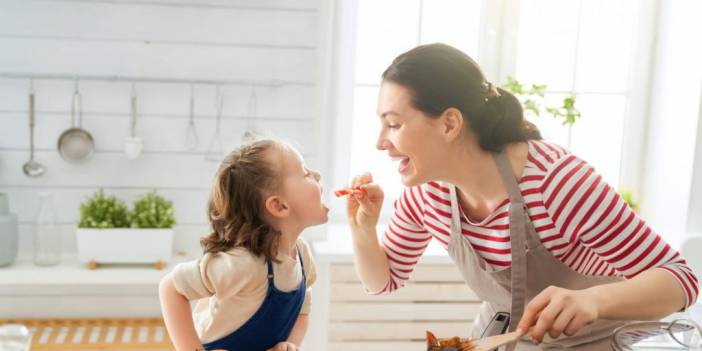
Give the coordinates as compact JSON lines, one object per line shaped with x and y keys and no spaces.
{"x":533,"y":229}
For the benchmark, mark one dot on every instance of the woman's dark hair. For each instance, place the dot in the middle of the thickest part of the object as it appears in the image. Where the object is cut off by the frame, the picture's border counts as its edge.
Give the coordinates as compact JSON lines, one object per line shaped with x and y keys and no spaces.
{"x":441,"y":76}
{"x":236,"y":205}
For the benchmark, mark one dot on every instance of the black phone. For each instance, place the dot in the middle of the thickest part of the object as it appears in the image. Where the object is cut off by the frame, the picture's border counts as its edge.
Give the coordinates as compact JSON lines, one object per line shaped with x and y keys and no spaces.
{"x":498,"y":325}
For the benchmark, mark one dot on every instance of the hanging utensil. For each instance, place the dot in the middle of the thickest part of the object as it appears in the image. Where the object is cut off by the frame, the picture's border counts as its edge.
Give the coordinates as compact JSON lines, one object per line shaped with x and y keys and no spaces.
{"x":32,"y":168}
{"x":214,"y":151}
{"x":76,"y":144}
{"x":251,"y":133}
{"x":191,"y":139}
{"x":133,"y":145}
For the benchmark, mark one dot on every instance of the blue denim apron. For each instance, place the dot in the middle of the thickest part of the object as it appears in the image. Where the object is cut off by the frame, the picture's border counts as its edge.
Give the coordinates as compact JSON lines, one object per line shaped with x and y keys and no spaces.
{"x":273,"y":321}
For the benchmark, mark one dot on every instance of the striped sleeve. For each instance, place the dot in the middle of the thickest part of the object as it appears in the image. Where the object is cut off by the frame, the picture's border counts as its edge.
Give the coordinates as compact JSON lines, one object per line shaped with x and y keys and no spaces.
{"x":590,"y":213}
{"x":405,"y":238}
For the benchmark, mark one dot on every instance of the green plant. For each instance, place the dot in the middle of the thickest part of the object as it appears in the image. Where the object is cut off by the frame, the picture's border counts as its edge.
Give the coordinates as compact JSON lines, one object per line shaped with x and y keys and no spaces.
{"x":532,"y":98}
{"x":153,"y":211}
{"x":630,"y":199}
{"x":103,"y":211}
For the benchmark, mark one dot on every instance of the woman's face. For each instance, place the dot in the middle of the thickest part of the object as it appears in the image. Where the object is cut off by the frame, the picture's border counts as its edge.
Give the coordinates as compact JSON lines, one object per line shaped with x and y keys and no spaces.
{"x":411,"y":138}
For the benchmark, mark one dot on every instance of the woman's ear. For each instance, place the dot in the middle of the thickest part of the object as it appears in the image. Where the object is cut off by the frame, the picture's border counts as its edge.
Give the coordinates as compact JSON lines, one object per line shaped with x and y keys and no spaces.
{"x":452,"y":119}
{"x":276,"y":207}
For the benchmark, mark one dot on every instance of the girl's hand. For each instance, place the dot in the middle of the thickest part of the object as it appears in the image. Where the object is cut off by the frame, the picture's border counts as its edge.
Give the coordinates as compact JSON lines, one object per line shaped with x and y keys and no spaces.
{"x":285,"y":346}
{"x":363,"y":209}
{"x":558,"y":311}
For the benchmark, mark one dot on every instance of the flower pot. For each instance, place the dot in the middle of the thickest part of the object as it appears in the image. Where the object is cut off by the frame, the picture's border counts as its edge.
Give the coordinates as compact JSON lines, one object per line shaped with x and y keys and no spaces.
{"x":124,"y":245}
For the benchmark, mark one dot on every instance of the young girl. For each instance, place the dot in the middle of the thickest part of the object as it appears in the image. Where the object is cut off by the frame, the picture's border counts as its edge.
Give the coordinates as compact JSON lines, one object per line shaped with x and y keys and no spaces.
{"x":253,"y":280}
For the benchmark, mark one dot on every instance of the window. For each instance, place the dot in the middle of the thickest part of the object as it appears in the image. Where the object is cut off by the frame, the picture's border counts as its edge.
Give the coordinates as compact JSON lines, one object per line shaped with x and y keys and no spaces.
{"x":380,"y":37}
{"x":573,"y":46}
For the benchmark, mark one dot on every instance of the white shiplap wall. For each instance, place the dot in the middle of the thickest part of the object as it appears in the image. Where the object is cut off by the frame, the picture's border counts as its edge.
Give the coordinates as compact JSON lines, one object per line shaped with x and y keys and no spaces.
{"x":266,"y":40}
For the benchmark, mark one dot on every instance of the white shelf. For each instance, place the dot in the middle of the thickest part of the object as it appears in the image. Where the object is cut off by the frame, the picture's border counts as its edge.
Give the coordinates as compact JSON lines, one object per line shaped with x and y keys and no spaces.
{"x":71,"y":290}
{"x":70,"y":275}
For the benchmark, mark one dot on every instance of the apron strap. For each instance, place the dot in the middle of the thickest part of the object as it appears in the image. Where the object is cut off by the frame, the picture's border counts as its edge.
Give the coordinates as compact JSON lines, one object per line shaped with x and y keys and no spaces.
{"x":302,"y":263}
{"x":515,"y":197}
{"x":270,"y":272}
{"x":302,"y":267}
{"x":518,"y":237}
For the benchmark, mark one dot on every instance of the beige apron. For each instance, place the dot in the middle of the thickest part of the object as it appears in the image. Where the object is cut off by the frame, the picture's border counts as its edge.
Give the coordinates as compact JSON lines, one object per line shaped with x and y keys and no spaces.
{"x":533,"y":269}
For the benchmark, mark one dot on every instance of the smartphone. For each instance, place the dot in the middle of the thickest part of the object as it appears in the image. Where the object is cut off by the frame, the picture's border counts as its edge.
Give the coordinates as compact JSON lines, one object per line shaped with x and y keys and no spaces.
{"x":498,"y":325}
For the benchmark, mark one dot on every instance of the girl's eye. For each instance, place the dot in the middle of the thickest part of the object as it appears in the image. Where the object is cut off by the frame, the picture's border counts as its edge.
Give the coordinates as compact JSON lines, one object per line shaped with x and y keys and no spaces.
{"x":393,"y":126}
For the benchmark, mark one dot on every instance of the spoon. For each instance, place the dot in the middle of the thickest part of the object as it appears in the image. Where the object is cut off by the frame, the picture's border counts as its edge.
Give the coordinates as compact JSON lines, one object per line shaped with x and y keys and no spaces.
{"x":32,"y":168}
{"x":133,"y":145}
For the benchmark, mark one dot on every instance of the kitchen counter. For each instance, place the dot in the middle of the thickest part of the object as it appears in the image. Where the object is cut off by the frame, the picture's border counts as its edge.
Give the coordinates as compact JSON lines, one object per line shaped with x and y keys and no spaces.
{"x":71,"y":272}
{"x":69,"y":290}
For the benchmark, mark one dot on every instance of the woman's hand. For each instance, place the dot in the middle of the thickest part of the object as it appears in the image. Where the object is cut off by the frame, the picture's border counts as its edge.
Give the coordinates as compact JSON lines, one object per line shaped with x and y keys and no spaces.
{"x":559,"y":311}
{"x":285,"y":346}
{"x":363,"y":210}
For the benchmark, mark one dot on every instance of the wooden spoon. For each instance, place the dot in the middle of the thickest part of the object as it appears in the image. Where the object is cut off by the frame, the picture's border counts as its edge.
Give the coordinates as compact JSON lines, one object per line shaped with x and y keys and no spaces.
{"x":495,"y":341}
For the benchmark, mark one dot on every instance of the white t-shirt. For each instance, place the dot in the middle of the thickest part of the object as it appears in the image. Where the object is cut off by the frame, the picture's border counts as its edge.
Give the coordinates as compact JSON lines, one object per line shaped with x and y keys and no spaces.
{"x":232,"y":285}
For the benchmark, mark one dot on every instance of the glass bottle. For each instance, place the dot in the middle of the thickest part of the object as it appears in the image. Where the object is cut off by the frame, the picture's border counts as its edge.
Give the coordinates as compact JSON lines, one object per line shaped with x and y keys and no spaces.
{"x":9,"y":237}
{"x":15,"y":337}
{"x":47,"y":237}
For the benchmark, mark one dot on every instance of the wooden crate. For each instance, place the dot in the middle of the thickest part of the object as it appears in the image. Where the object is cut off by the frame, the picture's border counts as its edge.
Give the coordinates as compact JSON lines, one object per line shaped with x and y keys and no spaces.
{"x":96,"y":334}
{"x":436,"y":298}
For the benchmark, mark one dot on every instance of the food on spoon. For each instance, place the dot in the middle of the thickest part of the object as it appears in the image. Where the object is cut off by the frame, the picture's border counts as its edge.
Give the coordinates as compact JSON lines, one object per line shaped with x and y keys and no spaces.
{"x":349,"y":191}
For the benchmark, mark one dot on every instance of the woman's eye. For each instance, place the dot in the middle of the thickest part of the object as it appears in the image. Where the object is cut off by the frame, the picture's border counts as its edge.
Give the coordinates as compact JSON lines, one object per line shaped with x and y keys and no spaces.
{"x":393,"y":126}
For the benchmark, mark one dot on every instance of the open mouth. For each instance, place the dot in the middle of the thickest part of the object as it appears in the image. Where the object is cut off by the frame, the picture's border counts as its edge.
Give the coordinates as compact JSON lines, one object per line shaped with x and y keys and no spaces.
{"x":403,"y":163}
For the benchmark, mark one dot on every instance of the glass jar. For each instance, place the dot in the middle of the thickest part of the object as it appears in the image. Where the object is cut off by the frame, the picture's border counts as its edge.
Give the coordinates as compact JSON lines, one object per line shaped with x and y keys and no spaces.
{"x":9,"y":236}
{"x":47,"y":236}
{"x":15,"y":337}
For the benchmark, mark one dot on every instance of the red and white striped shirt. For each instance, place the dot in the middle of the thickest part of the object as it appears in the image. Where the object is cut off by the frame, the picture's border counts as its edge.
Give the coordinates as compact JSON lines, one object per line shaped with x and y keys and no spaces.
{"x":580,"y":219}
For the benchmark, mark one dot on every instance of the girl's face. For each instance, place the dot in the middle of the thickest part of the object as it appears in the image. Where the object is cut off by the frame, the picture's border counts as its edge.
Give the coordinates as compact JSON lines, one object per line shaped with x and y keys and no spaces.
{"x":302,"y":190}
{"x":411,"y":138}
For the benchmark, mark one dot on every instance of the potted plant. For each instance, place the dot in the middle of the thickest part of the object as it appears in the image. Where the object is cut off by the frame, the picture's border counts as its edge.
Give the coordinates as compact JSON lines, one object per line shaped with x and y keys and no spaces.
{"x":631,"y":199}
{"x":108,"y":232}
{"x":532,"y":98}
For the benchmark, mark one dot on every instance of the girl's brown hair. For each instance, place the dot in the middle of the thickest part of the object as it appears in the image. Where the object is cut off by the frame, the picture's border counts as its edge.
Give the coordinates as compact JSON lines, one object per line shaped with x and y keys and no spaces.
{"x":236,"y":205}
